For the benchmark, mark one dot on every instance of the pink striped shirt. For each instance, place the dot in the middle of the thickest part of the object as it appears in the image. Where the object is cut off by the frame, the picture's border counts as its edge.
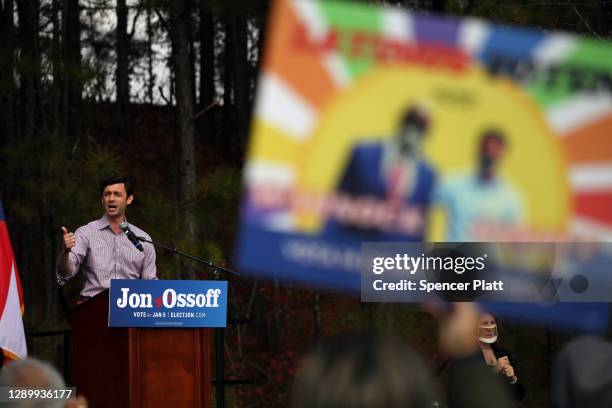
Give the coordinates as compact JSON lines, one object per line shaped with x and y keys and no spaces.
{"x":103,"y":255}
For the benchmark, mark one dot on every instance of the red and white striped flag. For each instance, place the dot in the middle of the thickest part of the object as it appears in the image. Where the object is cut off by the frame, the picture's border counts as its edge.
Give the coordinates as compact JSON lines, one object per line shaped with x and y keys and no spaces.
{"x":12,"y":335}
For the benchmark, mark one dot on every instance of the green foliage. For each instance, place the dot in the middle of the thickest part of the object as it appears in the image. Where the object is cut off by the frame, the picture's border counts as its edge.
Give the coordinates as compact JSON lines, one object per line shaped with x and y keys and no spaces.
{"x":218,"y":193}
{"x":50,"y":174}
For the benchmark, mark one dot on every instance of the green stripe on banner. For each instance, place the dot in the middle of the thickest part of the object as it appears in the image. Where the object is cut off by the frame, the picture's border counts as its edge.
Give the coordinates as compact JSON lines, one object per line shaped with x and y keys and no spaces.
{"x":546,"y":95}
{"x":351,"y":20}
{"x":593,"y":54}
{"x":589,"y":55}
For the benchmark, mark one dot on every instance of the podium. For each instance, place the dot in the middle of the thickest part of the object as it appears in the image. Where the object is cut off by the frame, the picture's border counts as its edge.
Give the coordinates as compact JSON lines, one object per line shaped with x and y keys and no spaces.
{"x":138,"y":367}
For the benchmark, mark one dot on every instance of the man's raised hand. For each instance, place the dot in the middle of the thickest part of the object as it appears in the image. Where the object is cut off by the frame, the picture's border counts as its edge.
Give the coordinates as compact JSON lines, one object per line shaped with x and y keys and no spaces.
{"x":69,"y":239}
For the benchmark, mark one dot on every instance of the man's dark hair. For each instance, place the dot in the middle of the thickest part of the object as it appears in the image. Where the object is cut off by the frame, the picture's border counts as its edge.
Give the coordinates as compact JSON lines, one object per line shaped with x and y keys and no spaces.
{"x":415,"y":116}
{"x":109,"y":181}
{"x":494,"y":134}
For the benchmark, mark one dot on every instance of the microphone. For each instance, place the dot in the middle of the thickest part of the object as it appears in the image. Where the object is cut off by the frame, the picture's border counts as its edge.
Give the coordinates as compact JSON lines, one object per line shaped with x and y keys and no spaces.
{"x":131,"y":236}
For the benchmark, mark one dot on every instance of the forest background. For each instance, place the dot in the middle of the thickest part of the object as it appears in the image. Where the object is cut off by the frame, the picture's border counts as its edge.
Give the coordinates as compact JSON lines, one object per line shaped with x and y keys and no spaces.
{"x":162,"y":91}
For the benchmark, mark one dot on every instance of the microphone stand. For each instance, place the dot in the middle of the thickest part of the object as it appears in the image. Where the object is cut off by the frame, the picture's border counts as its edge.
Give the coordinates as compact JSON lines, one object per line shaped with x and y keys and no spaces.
{"x":219,"y":332}
{"x":216,"y":268}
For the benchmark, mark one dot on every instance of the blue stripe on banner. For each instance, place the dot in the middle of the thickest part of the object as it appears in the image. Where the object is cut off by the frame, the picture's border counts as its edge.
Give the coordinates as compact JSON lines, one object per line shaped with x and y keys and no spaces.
{"x":1,"y":212}
{"x":511,"y":43}
{"x":286,"y":257}
{"x":433,"y":29}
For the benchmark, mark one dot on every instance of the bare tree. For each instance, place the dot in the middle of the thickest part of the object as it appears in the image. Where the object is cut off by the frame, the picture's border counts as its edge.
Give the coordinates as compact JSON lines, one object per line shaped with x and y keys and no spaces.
{"x":207,"y":66}
{"x":180,"y":36}
{"x":150,"y":74}
{"x":56,"y":66}
{"x":28,"y":11}
{"x":71,"y":52}
{"x":229,"y":119}
{"x":122,"y":74}
{"x":237,"y":24}
{"x":7,"y":64}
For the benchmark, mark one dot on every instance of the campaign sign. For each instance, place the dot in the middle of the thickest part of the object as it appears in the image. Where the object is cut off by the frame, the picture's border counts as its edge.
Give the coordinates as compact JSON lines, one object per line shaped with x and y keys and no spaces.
{"x":167,"y":303}
{"x":379,"y":124}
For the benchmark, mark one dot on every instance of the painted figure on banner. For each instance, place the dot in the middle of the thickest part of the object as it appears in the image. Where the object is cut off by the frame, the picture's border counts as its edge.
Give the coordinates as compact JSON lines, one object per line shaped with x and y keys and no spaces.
{"x":397,"y":180}
{"x":482,"y":199}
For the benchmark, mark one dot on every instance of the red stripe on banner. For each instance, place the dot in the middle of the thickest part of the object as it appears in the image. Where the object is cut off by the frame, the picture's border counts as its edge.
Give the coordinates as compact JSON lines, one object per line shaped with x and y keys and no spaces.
{"x":595,"y":205}
{"x":6,"y":264}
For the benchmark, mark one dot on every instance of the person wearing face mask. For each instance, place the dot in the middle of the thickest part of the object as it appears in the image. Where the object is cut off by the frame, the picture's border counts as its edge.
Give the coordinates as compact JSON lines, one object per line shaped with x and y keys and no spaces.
{"x":480,"y":199}
{"x":499,"y":359}
{"x":395,"y":175}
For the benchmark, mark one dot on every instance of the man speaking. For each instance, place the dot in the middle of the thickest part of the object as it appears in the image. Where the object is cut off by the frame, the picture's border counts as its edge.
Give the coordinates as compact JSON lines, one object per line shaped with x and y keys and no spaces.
{"x":101,"y":250}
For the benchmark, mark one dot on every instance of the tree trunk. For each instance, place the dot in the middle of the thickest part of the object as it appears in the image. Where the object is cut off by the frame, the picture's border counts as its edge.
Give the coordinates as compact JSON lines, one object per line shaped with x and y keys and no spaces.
{"x":241,"y":82}
{"x":151,"y":76}
{"x":236,"y":86}
{"x":122,"y":74}
{"x":207,"y":54}
{"x":7,"y":64}
{"x":172,"y":84}
{"x":30,"y":66}
{"x":207,"y":69}
{"x":7,"y":93}
{"x":179,"y":26}
{"x":71,"y":50}
{"x":56,"y":66}
{"x":192,"y":61}
{"x":229,"y":128}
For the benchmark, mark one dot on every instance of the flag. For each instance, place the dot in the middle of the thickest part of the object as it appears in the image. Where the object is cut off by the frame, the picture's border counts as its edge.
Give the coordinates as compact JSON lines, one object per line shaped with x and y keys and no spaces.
{"x":12,"y":335}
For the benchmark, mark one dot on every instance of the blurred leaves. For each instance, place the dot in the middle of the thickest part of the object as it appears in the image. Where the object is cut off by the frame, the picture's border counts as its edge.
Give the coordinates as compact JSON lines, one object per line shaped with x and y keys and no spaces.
{"x":53,"y":174}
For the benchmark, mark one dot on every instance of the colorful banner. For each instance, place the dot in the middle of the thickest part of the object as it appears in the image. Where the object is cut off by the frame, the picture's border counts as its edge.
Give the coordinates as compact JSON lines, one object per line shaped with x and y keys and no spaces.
{"x":375,"y":124}
{"x":167,"y":303}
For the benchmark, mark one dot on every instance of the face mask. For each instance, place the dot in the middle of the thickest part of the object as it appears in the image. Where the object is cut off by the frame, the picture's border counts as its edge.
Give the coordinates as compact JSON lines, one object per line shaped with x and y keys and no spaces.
{"x":489,"y":340}
{"x":410,"y":140}
{"x":486,"y":162}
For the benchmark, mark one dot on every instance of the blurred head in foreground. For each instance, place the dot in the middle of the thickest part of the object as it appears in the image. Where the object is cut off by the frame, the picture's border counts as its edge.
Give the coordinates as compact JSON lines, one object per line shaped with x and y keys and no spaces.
{"x":582,"y":376}
{"x":363,"y":371}
{"x":35,"y":374}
